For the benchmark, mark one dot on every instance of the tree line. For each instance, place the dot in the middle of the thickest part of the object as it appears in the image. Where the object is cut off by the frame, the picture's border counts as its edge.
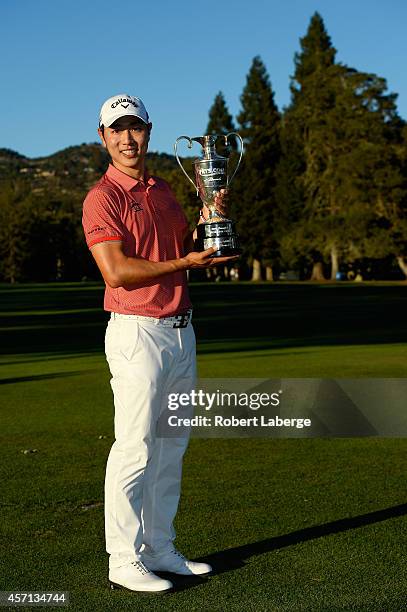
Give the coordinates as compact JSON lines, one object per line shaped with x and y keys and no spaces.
{"x":322,"y":190}
{"x":323,"y":187}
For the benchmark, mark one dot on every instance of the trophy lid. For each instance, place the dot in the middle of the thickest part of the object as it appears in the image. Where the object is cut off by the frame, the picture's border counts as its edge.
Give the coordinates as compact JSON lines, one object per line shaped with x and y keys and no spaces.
{"x":208,"y":145}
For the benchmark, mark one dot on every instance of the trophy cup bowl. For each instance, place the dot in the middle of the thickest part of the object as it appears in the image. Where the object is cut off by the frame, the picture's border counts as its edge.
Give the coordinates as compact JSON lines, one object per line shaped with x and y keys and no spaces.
{"x":211,"y":174}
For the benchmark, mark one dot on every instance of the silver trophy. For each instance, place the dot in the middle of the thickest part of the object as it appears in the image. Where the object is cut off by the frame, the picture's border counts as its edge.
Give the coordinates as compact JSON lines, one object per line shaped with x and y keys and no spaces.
{"x":211,"y":173}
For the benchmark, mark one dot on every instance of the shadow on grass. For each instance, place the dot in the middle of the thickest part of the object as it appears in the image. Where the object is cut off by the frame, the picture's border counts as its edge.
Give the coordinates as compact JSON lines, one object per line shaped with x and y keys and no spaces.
{"x":51,"y":356}
{"x":38,"y":377}
{"x":227,"y":317}
{"x":234,"y":558}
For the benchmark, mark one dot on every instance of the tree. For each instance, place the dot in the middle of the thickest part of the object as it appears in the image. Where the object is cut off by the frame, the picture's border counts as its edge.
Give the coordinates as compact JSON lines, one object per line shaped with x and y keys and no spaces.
{"x":289,"y":196}
{"x":317,"y":55}
{"x":221,"y":123}
{"x":349,"y":163}
{"x":309,"y":103}
{"x":387,"y":229}
{"x":15,"y":229}
{"x":397,"y":216}
{"x":259,"y":127}
{"x":347,"y":124}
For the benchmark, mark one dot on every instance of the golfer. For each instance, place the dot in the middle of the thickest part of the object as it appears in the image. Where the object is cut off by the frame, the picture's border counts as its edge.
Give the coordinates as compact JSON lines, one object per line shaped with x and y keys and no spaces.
{"x":139,"y":238}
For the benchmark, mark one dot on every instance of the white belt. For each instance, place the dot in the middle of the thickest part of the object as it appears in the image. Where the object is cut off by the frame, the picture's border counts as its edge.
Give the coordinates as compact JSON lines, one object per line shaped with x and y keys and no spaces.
{"x":176,"y":321}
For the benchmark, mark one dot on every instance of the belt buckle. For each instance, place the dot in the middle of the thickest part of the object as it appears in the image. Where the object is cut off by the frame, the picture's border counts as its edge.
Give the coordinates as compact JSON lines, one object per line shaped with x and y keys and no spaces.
{"x":181,"y":321}
{"x":165,"y":322}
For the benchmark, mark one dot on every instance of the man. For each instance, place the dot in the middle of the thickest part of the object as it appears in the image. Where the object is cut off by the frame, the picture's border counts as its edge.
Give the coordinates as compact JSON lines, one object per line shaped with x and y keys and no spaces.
{"x":139,"y":238}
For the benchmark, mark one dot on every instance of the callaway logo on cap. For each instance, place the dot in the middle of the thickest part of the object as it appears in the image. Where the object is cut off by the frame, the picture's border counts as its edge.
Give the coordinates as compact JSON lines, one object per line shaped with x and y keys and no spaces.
{"x":120,"y":106}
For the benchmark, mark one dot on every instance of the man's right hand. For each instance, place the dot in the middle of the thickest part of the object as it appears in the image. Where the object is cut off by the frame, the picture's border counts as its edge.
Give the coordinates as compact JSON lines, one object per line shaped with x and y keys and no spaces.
{"x":120,"y":270}
{"x":205,"y":259}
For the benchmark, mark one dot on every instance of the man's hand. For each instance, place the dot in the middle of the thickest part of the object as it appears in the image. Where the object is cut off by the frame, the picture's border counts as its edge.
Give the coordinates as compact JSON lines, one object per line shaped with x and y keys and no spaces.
{"x":221,"y":204}
{"x":205,"y":259}
{"x":119,"y":270}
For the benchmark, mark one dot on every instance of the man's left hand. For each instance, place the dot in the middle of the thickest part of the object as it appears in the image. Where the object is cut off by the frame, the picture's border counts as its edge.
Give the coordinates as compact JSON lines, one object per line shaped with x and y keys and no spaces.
{"x":221,"y":203}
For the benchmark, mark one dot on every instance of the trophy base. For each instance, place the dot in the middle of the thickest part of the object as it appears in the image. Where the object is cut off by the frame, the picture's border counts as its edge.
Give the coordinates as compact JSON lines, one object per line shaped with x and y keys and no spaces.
{"x":219,"y":234}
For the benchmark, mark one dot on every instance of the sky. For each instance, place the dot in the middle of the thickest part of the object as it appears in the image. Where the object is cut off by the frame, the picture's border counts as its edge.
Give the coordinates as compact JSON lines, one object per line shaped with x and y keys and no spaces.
{"x":60,"y":59}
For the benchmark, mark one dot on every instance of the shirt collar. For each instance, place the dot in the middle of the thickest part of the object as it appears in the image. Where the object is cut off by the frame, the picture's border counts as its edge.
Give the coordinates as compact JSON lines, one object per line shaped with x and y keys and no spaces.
{"x":126,"y":181}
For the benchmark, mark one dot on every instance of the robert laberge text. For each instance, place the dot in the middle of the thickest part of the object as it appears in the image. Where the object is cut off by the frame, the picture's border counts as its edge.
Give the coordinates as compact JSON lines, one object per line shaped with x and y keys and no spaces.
{"x":220,"y":421}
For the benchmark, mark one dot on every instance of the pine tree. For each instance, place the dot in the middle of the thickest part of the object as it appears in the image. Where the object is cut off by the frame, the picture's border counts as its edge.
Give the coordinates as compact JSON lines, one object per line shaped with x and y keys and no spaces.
{"x":259,"y":127}
{"x":15,"y":226}
{"x":311,"y":100}
{"x":346,"y":121}
{"x":349,"y":168}
{"x":386,"y":234}
{"x":221,"y":123}
{"x":317,"y":54}
{"x":399,"y":217}
{"x":289,"y":195}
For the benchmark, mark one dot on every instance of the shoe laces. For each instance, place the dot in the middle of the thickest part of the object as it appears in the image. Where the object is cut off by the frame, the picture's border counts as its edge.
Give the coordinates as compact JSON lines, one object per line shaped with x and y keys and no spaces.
{"x":178,"y":554}
{"x":141,"y":567}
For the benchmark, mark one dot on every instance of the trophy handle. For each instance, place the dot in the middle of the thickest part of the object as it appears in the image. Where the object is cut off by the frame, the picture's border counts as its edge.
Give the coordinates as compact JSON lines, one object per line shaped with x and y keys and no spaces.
{"x":178,"y":159}
{"x":241,"y":152}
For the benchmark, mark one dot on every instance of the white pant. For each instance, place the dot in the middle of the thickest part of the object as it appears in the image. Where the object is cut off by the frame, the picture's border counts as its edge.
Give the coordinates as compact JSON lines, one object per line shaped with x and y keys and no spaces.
{"x":143,"y":473}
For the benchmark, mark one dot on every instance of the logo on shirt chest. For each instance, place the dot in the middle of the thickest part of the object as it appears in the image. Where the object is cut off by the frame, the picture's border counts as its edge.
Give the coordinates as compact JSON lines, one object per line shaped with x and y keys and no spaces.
{"x":135,"y":207}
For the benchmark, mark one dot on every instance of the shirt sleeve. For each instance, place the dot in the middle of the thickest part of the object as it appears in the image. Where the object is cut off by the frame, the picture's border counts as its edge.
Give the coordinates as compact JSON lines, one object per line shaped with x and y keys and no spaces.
{"x":101,"y":218}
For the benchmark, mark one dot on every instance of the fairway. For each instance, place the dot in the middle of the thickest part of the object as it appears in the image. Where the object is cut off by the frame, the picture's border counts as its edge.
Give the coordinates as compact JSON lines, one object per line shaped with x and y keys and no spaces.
{"x":313,"y":525}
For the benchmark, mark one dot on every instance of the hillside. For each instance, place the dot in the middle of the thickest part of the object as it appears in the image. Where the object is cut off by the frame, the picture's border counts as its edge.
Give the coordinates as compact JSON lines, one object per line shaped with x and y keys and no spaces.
{"x":41,"y":236}
{"x":76,"y":167}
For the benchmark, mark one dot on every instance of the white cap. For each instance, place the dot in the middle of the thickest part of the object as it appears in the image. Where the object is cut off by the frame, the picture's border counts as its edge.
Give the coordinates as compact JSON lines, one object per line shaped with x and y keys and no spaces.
{"x":120,"y":106}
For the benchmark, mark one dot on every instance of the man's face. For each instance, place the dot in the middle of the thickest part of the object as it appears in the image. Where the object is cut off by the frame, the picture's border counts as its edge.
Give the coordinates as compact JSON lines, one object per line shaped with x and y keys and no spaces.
{"x":127,"y":141}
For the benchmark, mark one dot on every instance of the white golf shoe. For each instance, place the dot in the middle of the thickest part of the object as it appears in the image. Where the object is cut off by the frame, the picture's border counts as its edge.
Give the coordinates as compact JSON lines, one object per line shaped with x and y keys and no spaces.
{"x":135,"y":576}
{"x":173,"y":561}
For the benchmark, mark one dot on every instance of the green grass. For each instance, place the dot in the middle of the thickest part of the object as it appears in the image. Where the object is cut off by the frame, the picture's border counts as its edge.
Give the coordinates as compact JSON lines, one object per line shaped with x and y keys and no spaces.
{"x":313,"y":525}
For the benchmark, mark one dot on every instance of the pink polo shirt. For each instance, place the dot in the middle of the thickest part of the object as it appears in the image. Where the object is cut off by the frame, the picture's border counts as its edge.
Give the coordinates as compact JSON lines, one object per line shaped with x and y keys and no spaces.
{"x":148,"y":220}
